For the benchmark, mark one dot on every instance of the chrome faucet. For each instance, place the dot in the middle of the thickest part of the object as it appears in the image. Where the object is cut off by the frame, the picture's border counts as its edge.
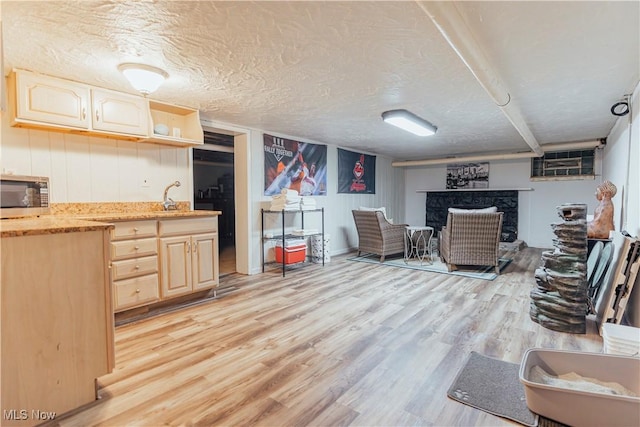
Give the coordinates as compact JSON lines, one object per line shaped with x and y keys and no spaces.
{"x":168,"y":204}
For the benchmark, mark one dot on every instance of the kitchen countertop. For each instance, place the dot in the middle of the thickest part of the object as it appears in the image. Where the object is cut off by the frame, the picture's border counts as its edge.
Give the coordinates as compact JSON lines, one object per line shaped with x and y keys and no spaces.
{"x":47,"y":225}
{"x":86,"y":221}
{"x":130,"y":216}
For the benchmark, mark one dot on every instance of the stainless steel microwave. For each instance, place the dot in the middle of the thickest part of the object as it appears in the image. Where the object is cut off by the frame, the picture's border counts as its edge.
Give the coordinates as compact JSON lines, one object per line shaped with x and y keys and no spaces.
{"x":23,"y":196}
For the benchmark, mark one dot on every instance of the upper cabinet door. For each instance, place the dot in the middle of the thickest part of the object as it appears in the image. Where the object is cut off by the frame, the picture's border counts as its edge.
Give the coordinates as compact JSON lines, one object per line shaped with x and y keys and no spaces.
{"x":50,"y":100}
{"x":119,"y":112}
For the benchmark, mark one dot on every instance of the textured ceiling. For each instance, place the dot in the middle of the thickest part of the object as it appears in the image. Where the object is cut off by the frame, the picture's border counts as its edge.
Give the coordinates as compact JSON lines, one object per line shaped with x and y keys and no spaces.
{"x":325,"y":71}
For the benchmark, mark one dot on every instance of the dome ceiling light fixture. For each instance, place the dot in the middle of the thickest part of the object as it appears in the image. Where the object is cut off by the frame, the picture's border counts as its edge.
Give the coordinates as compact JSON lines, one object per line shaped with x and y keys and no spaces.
{"x":144,"y":78}
{"x":408,"y":121}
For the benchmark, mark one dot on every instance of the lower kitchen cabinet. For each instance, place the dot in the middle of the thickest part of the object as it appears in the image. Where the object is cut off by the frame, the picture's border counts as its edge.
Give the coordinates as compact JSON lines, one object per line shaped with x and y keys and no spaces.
{"x":57,"y":323}
{"x":134,"y":264}
{"x":175,"y":255}
{"x":205,"y":261}
{"x":156,"y":260}
{"x":136,"y":291}
{"x":189,"y":261}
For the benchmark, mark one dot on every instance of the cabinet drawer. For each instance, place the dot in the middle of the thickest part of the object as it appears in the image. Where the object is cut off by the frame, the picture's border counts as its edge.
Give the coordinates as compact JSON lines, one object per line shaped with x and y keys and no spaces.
{"x":134,"y":267}
{"x":133,"y":229}
{"x":136,"y":291}
{"x":133,"y":248}
{"x":188,"y":226}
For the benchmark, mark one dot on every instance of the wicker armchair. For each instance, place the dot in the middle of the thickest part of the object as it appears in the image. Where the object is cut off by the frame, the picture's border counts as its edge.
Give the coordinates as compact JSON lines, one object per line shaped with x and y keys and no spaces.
{"x":471,"y":239}
{"x":378,"y":236}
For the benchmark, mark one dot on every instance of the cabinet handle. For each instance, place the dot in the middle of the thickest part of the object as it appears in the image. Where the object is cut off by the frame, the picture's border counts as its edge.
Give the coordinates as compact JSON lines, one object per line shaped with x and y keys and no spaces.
{"x":188,"y":247}
{"x":136,"y":247}
{"x":97,"y":115}
{"x":137,"y":291}
{"x":135,"y":229}
{"x":84,"y":113}
{"x":195,"y":247}
{"x":137,"y":267}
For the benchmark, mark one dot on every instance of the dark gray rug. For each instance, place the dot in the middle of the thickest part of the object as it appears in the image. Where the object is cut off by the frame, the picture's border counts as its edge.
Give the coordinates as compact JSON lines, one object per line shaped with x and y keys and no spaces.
{"x":492,"y":386}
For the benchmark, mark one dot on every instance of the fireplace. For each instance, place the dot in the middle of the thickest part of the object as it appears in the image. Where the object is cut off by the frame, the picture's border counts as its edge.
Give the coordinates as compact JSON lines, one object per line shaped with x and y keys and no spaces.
{"x":438,"y":202}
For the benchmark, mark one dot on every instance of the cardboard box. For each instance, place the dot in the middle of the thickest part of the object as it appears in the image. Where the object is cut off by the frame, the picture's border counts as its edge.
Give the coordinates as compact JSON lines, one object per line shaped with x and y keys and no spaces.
{"x":294,"y":252}
{"x":581,"y":407}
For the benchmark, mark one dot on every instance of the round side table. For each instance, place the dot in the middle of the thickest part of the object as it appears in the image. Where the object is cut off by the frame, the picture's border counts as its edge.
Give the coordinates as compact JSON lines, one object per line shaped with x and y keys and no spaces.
{"x":417,"y":243}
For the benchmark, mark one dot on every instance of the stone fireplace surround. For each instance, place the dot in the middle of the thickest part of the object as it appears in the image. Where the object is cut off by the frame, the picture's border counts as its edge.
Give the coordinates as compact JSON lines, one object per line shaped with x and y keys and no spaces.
{"x":439,"y":201}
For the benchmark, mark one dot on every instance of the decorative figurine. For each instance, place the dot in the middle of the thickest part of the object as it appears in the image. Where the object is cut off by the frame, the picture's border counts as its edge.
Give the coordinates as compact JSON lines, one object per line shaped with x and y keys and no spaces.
{"x":602,"y":222}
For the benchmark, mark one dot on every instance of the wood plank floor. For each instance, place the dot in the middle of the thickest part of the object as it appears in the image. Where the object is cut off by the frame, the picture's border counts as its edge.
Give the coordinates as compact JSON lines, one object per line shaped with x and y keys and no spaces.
{"x":346,"y":344}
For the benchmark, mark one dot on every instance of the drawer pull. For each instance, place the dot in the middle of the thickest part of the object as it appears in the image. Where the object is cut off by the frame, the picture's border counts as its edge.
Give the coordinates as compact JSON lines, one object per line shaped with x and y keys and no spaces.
{"x":135,"y":229}
{"x":136,"y":247}
{"x":137,"y":291}
{"x":137,"y":267}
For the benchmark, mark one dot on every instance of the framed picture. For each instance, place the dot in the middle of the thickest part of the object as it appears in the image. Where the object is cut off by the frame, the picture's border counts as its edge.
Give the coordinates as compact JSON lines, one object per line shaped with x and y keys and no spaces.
{"x":467,"y":175}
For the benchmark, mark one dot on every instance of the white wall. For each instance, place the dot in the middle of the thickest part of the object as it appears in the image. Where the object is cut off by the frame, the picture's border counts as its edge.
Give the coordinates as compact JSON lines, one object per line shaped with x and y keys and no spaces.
{"x":89,"y":169}
{"x":536,"y":209}
{"x":620,"y":166}
{"x":338,"y":217}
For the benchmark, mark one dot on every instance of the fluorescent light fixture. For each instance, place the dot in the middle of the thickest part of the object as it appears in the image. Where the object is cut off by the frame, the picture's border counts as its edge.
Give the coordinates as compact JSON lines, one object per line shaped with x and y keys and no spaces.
{"x":409,"y":122}
{"x":144,"y":78}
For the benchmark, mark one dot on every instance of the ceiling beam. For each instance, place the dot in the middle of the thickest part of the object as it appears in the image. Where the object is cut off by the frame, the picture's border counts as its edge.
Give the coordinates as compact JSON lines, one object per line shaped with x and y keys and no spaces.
{"x":449,"y":22}
{"x":565,"y":146}
{"x":462,"y":159}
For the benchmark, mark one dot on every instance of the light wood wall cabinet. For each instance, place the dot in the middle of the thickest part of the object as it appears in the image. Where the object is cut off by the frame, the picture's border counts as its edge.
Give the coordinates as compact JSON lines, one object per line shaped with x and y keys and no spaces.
{"x":51,"y":103}
{"x":57,"y":102}
{"x":189,"y":255}
{"x":183,"y":124}
{"x":57,"y":323}
{"x":134,"y":264}
{"x":119,"y":112}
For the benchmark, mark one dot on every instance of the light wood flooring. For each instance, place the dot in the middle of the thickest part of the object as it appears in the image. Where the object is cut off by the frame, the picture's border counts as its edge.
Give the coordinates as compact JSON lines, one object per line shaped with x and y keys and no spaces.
{"x":348,"y":344}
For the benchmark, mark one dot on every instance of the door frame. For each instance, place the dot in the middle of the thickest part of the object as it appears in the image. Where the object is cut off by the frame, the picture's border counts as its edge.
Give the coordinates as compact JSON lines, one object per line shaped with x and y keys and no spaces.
{"x":242,"y":189}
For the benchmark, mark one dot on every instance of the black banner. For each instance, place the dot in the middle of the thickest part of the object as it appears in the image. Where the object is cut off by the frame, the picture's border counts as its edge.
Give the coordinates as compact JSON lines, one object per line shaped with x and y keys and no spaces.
{"x":356,"y":172}
{"x":299,"y":166}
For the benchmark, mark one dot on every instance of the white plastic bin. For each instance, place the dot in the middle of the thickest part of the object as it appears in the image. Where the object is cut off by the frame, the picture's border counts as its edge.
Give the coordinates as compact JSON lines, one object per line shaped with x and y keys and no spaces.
{"x":621,"y":339}
{"x":579,"y":407}
{"x":316,"y":248}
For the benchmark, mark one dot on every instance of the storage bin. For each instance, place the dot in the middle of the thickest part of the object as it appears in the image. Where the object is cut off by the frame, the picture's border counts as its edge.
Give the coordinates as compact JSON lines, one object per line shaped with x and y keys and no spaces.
{"x":621,"y":339}
{"x":317,"y":244}
{"x":578,"y":407}
{"x":294,"y":251}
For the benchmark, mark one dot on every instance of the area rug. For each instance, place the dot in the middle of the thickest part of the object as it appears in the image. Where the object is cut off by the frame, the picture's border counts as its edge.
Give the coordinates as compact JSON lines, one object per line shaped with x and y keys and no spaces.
{"x":492,"y":386}
{"x":475,"y":272}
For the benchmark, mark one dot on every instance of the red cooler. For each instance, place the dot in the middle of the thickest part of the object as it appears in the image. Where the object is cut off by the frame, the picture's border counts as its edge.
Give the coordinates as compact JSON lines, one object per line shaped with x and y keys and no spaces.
{"x":294,"y":251}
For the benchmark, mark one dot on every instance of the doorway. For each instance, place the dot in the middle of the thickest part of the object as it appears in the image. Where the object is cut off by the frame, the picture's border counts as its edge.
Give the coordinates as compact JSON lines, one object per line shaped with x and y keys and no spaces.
{"x":213,"y":186}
